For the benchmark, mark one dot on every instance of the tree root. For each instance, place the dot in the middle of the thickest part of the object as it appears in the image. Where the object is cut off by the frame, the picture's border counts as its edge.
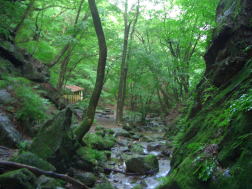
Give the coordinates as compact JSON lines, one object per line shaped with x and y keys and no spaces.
{"x":37,"y":171}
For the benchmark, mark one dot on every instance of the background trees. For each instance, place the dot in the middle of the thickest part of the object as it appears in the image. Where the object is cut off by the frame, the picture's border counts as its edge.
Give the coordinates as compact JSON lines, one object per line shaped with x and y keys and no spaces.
{"x":160,"y":66}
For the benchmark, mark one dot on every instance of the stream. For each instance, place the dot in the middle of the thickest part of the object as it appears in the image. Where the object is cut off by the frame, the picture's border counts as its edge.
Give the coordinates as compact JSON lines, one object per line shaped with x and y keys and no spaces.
{"x":122,"y":181}
{"x":150,"y":141}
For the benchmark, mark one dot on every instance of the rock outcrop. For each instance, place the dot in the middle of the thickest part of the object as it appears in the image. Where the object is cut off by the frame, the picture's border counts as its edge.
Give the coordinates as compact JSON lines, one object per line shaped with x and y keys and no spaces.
{"x":142,"y":164}
{"x":215,"y":147}
{"x":9,"y":136}
{"x":23,"y":62}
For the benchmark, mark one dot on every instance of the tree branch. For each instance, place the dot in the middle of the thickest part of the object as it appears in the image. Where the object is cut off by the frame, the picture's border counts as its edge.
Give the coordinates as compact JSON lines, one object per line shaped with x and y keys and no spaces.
{"x":39,"y":172}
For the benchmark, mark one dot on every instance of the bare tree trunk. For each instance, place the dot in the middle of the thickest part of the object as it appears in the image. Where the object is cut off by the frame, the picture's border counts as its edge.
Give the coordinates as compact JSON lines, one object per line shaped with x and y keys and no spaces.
{"x":124,"y":64}
{"x":87,"y":122}
{"x":24,"y":16}
{"x":63,"y":68}
{"x":123,"y":76}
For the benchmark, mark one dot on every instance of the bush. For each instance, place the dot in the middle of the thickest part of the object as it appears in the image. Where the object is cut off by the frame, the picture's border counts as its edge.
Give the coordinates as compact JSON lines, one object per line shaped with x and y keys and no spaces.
{"x":32,"y":106}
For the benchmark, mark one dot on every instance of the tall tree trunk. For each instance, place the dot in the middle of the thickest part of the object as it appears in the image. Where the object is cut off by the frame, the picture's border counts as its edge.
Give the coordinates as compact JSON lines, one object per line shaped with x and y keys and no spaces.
{"x":124,"y":64}
{"x":24,"y":16}
{"x":87,"y":122}
{"x":123,"y":77}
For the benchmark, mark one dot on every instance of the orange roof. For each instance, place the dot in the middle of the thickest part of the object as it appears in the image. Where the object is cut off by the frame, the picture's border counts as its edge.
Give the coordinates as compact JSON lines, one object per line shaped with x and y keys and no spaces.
{"x":74,"y":88}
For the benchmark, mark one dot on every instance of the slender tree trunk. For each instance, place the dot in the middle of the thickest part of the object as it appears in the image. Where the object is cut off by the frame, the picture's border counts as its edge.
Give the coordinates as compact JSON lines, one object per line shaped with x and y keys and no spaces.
{"x":123,"y":77}
{"x":87,"y":122}
{"x":69,"y":44}
{"x":124,"y":64}
{"x":66,"y":52}
{"x":24,"y":16}
{"x":63,"y":68}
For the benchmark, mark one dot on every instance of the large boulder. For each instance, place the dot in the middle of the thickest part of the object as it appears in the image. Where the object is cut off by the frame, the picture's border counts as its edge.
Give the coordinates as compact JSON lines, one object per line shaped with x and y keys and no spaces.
{"x":44,"y":182}
{"x":5,"y":97}
{"x":87,"y":178}
{"x":52,"y":136}
{"x":89,"y":158}
{"x":98,"y":142}
{"x":9,"y":136}
{"x":142,"y":164}
{"x":120,"y":132}
{"x":21,"y":179}
{"x":29,"y":67}
{"x":29,"y":158}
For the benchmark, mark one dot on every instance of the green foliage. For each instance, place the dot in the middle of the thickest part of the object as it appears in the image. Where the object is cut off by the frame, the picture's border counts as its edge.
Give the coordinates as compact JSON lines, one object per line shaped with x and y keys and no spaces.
{"x":3,"y":84}
{"x":32,"y":106}
{"x":91,"y":155}
{"x":24,"y":145}
{"x":29,"y":158}
{"x":205,"y":169}
{"x":209,"y":91}
{"x":242,"y":104}
{"x":195,"y":147}
{"x":98,"y":142}
{"x":137,"y":148}
{"x":106,"y":185}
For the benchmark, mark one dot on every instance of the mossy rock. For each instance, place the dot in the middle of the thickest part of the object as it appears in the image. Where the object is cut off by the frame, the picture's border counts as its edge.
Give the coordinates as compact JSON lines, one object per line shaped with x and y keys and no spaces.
{"x":98,"y":142}
{"x":18,"y":179}
{"x":137,"y":148}
{"x":138,"y":186}
{"x":52,"y":135}
{"x":142,"y":164}
{"x":106,"y":185}
{"x":45,"y":182}
{"x":29,"y":158}
{"x":91,"y":156}
{"x":87,"y":178}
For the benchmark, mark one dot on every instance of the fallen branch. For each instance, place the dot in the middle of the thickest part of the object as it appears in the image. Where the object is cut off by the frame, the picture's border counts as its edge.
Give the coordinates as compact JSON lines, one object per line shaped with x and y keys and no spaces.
{"x":39,"y":172}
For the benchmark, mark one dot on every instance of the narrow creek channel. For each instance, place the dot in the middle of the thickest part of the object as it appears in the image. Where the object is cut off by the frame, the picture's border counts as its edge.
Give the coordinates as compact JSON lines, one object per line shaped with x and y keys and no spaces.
{"x":150,"y":140}
{"x":122,"y":181}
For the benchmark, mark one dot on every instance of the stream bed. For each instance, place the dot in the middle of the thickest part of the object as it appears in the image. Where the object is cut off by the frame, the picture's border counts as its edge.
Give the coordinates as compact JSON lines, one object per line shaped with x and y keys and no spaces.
{"x":142,"y":141}
{"x":122,"y":150}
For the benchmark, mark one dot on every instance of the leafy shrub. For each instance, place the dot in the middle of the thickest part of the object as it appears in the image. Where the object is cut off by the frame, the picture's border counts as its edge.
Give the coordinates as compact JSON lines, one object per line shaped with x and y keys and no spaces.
{"x":244,"y":103}
{"x":91,"y":155}
{"x":205,"y":169}
{"x":195,"y":146}
{"x":3,"y":84}
{"x":32,"y":106}
{"x":99,"y":142}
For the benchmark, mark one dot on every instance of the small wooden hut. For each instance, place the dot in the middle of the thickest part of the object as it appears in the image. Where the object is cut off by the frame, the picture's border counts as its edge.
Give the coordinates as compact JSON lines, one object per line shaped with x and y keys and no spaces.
{"x":74,"y":94}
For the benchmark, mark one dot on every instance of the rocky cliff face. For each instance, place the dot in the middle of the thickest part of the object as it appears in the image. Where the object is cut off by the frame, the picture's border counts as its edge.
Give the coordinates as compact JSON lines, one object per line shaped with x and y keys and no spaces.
{"x":21,"y":62}
{"x":214,"y":145}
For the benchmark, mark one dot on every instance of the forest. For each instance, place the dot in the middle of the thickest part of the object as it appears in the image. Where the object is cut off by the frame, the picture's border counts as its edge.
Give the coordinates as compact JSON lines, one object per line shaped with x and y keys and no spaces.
{"x":126,"y":94}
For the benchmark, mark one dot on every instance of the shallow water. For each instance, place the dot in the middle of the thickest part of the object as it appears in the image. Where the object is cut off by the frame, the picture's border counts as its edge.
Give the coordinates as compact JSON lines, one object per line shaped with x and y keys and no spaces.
{"x":122,"y":181}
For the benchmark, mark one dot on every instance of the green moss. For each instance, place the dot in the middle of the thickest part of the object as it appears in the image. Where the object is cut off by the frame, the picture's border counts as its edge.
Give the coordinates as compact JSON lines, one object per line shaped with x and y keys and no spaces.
{"x":106,"y":185}
{"x":225,"y":119}
{"x":137,"y":148}
{"x":29,"y":158}
{"x":21,"y":179}
{"x":91,"y":155}
{"x":44,"y":182}
{"x":52,"y":135}
{"x":98,"y":142}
